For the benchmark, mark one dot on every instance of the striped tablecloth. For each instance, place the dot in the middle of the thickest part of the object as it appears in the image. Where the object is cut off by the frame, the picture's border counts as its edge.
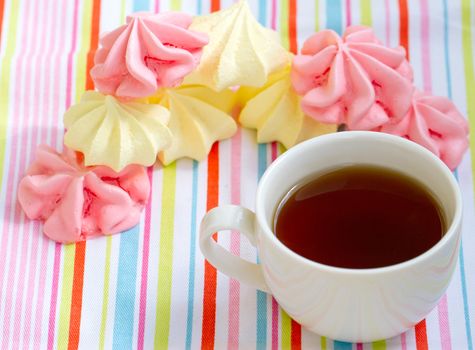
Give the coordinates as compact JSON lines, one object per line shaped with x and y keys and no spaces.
{"x":150,"y":287}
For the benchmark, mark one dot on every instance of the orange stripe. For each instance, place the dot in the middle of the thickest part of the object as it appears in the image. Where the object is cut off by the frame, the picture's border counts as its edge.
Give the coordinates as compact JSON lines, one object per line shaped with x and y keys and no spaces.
{"x":296,"y":336}
{"x":96,"y":16}
{"x":2,"y":9}
{"x":215,"y":5}
{"x":404,"y":26}
{"x":76,"y":297}
{"x":78,"y":279}
{"x":293,"y":26}
{"x":209,"y":295}
{"x":421,"y":336}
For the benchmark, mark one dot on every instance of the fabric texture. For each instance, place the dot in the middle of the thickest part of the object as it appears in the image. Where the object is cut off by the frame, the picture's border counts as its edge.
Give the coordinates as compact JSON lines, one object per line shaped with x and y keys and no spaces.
{"x":149,"y":287}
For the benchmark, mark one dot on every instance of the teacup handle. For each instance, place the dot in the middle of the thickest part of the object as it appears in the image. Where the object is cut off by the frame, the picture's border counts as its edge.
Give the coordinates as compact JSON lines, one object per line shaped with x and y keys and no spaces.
{"x":231,"y":217}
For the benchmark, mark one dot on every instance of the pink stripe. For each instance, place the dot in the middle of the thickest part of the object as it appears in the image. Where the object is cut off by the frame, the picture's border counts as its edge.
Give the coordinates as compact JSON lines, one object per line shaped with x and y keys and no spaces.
{"x":359,"y":346}
{"x":444,"y":325}
{"x":273,"y":15}
{"x":157,"y":6}
{"x":234,"y":287}
{"x":36,"y":232}
{"x":41,"y":286}
{"x":274,"y":151}
{"x":13,"y":212}
{"x":348,"y":13}
{"x":427,"y":80}
{"x":388,"y":22}
{"x":54,"y":295}
{"x":144,"y":279}
{"x":403,"y":342}
{"x":58,"y":247}
{"x":275,"y":325}
{"x":69,"y":76}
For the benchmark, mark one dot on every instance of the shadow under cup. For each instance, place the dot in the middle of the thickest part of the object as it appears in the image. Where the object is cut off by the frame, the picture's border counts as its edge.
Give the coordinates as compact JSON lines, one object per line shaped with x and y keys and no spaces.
{"x":357,"y":304}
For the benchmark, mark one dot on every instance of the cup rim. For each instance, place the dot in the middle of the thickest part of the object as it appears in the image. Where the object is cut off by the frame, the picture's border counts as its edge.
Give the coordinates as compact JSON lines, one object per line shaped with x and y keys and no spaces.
{"x":347,"y":135}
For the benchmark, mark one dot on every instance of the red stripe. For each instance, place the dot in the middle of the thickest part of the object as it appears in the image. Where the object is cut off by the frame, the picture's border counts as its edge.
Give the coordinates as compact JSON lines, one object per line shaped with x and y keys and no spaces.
{"x":421,"y":336}
{"x":78,"y":279}
{"x":76,"y":297}
{"x":295,"y":336}
{"x":404,"y":26}
{"x":96,"y":16}
{"x":215,"y":5}
{"x":2,"y":9}
{"x":293,"y":26}
{"x":209,"y":295}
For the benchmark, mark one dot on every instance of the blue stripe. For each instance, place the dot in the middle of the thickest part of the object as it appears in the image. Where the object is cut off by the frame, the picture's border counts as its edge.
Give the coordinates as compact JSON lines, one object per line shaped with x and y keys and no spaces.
{"x":141,"y":5}
{"x":262,"y":297}
{"x":465,"y":298}
{"x":199,"y":8}
{"x":261,"y":329}
{"x":191,"y":277}
{"x":340,"y":345}
{"x":468,"y":330}
{"x":262,"y":12}
{"x":125,"y":294}
{"x":334,"y":16}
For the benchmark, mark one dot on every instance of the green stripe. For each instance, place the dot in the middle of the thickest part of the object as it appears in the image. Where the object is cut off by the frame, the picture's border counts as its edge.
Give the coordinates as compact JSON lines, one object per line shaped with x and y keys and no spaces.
{"x":323,"y":343}
{"x":469,"y":76}
{"x":379,"y":345}
{"x":66,"y":293}
{"x":122,"y":11}
{"x":165,"y":263}
{"x":317,"y":13}
{"x":105,"y":294}
{"x":11,"y":36}
{"x":286,"y":328}
{"x":366,"y":12}
{"x":366,"y":19}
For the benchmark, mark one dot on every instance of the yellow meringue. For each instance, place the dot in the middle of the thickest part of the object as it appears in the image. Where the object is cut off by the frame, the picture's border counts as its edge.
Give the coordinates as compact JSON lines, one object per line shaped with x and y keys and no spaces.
{"x":198,"y":118}
{"x":274,"y":110}
{"x":240,"y":50}
{"x":114,"y":133}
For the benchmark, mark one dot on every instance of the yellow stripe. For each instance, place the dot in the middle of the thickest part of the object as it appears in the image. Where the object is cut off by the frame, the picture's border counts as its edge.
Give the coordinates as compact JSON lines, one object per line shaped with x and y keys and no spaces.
{"x":105,"y":294}
{"x":11,"y":36}
{"x":286,"y":327}
{"x":84,"y":43}
{"x":66,"y":289}
{"x":175,"y":5}
{"x":165,"y":263}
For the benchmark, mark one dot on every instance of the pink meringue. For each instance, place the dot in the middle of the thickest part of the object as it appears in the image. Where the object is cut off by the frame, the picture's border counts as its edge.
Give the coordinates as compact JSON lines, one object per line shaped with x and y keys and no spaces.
{"x":435,"y":123}
{"x":77,"y":202}
{"x":150,"y":51}
{"x":353,"y":80}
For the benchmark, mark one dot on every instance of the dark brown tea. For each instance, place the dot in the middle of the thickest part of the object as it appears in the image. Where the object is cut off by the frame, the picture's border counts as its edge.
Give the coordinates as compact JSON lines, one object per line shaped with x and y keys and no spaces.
{"x":359,"y":217}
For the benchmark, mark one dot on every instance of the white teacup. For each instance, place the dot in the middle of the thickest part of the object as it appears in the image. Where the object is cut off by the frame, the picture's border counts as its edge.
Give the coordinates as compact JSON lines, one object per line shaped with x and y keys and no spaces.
{"x":355,"y":305}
